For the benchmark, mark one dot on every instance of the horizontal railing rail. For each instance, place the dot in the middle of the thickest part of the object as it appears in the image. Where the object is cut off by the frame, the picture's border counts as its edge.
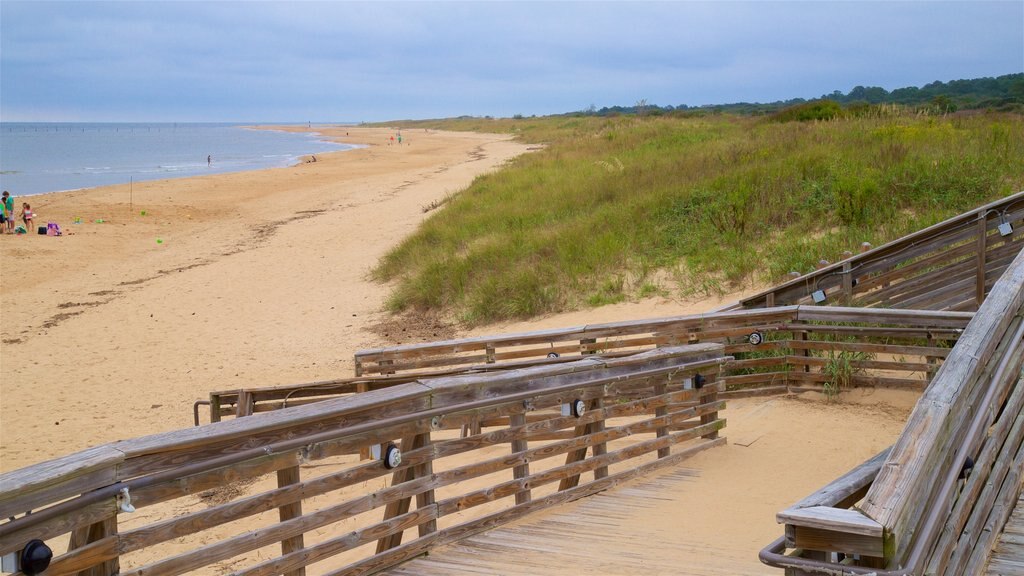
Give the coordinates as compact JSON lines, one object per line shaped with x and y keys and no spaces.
{"x":948,"y":484}
{"x":951,"y":265}
{"x":282,"y":491}
{"x":800,"y":349}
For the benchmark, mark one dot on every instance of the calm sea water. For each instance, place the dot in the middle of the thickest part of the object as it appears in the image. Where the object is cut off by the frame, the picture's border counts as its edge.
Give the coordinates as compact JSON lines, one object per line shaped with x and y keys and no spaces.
{"x":36,"y":158}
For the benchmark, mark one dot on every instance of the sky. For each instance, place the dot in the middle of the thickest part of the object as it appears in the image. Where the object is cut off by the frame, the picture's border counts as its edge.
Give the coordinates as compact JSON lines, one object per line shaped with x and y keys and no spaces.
{"x":323,"y":61}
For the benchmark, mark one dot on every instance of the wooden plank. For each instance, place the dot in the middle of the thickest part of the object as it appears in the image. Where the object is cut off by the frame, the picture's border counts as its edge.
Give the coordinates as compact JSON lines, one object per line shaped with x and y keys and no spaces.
{"x":298,"y":560}
{"x":828,"y":518}
{"x":979,"y":294}
{"x":17,"y":532}
{"x":425,"y":499}
{"x":40,"y":484}
{"x":401,"y":506}
{"x":661,"y":411}
{"x":84,"y":559}
{"x":823,"y":540}
{"x":288,"y":477}
{"x":522,"y":470}
{"x":909,"y":474}
{"x":82,"y":537}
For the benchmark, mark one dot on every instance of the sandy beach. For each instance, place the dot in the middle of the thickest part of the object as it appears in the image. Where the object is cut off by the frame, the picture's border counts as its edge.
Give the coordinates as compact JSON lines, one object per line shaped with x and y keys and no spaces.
{"x":254,"y":278}
{"x":260,"y":278}
{"x":217,"y":282}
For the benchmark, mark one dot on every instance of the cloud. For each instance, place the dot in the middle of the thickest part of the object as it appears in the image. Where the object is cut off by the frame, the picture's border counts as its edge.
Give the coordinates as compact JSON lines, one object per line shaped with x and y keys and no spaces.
{"x":292,"y":61}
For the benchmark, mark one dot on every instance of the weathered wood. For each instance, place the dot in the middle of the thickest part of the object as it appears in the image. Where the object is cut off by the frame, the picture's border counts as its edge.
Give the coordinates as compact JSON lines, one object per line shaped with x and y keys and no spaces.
{"x":906,"y":481}
{"x":522,"y":470}
{"x":19,"y":531}
{"x":82,"y":537}
{"x":661,"y":431}
{"x":710,"y":417}
{"x":287,"y":477}
{"x":398,"y":507}
{"x":979,"y":294}
{"x":29,"y":488}
{"x":87,"y":558}
{"x":298,"y":560}
{"x":172,"y":465}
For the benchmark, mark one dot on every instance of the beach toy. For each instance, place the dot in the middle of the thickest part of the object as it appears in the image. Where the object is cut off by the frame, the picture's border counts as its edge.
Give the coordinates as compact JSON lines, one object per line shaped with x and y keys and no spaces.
{"x":159,"y":241}
{"x":77,"y":220}
{"x":143,"y":213}
{"x":100,"y":220}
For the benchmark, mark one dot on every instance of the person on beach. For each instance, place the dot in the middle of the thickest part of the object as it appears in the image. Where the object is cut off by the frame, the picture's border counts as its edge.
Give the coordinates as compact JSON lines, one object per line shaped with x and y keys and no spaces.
{"x":9,"y":211}
{"x":209,"y":161}
{"x":26,"y":215}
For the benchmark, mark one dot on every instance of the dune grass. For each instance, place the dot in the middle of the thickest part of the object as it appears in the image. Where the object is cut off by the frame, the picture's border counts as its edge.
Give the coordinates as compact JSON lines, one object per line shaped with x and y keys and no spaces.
{"x":619,"y":208}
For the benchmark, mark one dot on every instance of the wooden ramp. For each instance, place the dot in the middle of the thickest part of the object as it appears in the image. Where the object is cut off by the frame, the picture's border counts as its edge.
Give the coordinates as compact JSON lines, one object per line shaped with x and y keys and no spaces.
{"x":590,"y":536}
{"x":1008,"y":557}
{"x":707,"y":515}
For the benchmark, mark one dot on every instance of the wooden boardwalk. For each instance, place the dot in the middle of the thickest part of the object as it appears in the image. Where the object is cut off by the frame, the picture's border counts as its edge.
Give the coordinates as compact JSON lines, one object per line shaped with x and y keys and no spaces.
{"x":710,"y":515}
{"x":592,"y":536}
{"x":1008,"y":557}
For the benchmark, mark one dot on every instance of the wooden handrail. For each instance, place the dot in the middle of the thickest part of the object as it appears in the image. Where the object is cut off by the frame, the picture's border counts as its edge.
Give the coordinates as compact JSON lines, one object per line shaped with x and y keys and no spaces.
{"x":888,"y":263}
{"x":971,"y":409}
{"x":622,"y":409}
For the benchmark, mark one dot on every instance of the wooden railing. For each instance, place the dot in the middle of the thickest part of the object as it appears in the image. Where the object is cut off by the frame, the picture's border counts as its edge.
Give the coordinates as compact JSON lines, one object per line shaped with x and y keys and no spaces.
{"x":929,"y":510}
{"x":802,"y":348}
{"x":949,"y":266}
{"x":278,"y":492}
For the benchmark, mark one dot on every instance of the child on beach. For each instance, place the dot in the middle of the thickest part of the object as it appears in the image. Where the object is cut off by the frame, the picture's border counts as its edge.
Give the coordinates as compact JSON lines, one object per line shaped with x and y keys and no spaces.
{"x":26,"y":215}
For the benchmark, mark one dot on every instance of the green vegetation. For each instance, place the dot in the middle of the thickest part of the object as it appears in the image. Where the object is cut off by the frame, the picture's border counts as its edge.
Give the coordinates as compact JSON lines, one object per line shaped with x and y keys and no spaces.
{"x":1002,"y":93}
{"x":615,"y":208}
{"x":840,"y":370}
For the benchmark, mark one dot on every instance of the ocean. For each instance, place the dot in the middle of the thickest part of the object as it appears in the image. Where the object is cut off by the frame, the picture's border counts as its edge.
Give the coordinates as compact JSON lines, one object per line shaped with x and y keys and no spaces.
{"x":41,"y":157}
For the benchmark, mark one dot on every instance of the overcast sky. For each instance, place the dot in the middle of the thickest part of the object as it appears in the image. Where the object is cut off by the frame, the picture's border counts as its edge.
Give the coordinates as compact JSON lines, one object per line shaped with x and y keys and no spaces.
{"x":368,"y":61}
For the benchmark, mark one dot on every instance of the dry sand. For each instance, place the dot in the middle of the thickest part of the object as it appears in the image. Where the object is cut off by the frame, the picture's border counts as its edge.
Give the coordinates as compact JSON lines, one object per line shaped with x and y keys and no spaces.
{"x":260,"y":278}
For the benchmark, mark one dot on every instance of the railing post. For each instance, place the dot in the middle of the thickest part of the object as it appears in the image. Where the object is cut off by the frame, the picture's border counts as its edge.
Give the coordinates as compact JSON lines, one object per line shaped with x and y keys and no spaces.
{"x":600,"y":448}
{"x":287,"y":477}
{"x":425,"y":499}
{"x":401,"y":506}
{"x":92,"y":533}
{"x":519,"y":445}
{"x":847,"y":283}
{"x":709,"y":418}
{"x":661,"y":431}
{"x":585,"y":348}
{"x":214,"y":407}
{"x":979,"y":292}
{"x":244,"y":405}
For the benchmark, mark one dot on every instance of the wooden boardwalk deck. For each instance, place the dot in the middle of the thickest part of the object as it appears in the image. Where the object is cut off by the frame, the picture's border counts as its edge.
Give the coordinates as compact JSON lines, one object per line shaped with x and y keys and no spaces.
{"x":1008,"y":557}
{"x":708,"y":516}
{"x":592,"y":536}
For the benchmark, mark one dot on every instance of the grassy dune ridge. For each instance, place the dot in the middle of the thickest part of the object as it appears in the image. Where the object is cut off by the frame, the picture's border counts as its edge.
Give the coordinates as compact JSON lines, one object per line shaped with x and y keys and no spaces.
{"x":617,"y":208}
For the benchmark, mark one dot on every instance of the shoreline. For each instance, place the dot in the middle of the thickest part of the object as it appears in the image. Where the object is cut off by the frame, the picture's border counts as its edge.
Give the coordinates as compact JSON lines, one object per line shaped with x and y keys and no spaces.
{"x":114,"y":329}
{"x":255,"y":160}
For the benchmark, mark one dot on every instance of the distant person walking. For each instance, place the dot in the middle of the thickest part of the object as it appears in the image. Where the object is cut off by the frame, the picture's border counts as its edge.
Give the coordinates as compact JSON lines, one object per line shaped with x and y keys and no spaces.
{"x":209,"y":161}
{"x":9,"y":211}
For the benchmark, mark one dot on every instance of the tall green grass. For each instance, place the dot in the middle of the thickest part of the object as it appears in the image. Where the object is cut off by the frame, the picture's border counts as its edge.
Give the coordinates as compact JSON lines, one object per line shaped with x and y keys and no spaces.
{"x":617,"y":207}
